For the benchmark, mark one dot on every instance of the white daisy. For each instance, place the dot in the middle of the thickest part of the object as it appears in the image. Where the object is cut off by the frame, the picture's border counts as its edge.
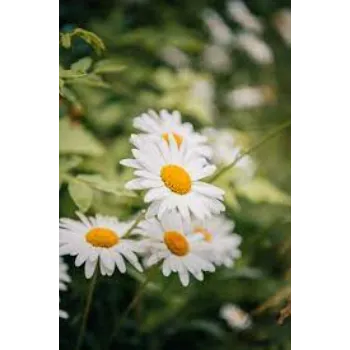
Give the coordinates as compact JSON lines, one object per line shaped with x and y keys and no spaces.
{"x":246,"y":97}
{"x":216,"y":58}
{"x":226,"y":150}
{"x":98,"y":239}
{"x":63,"y":275}
{"x":174,"y":56}
{"x":255,"y":47}
{"x":63,"y":314}
{"x":282,"y":21}
{"x":242,"y":15}
{"x":172,"y":175}
{"x":235,"y":317}
{"x":161,"y":125}
{"x":170,"y":241}
{"x":220,"y":32}
{"x":218,"y":232}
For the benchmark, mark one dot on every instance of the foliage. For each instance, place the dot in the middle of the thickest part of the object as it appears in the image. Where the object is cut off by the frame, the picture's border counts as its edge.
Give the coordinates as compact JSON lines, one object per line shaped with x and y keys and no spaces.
{"x":110,"y":77}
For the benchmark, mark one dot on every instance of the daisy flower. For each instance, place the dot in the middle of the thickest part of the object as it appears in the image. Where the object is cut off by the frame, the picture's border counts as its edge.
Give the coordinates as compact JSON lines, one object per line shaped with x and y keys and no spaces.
{"x":166,"y":123}
{"x":174,"y":57}
{"x":242,"y":15}
{"x":235,"y":317}
{"x":220,"y":32}
{"x":169,"y":240}
{"x":63,"y":275}
{"x":226,"y":150}
{"x":216,"y":58}
{"x":217,"y":231}
{"x":172,"y":175}
{"x":282,"y":21}
{"x":99,"y":238}
{"x":246,"y":97}
{"x":255,"y":47}
{"x":63,"y":314}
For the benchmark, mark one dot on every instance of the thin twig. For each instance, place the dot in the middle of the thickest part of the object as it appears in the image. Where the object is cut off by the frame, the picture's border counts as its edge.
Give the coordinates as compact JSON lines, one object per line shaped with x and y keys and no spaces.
{"x":87,"y":309}
{"x":269,"y":136}
{"x":131,"y":305}
{"x":138,"y":219}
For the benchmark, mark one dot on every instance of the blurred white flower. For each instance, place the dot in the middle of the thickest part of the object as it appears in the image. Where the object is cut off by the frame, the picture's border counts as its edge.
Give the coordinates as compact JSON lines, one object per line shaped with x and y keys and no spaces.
{"x":282,"y":21}
{"x":174,"y":57}
{"x":255,"y":47}
{"x":160,"y":125}
{"x":226,"y":150}
{"x":171,"y":172}
{"x":169,"y":240}
{"x":63,"y":314}
{"x":215,"y":58}
{"x":242,"y":15}
{"x":203,"y":92}
{"x":246,"y":97}
{"x":63,"y":275}
{"x":217,"y":231}
{"x":98,"y":239}
{"x":235,"y":317}
{"x":220,"y":32}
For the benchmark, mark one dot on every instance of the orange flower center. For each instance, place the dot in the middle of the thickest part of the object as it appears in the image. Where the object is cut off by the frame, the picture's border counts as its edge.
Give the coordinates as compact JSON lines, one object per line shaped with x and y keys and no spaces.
{"x":176,"y":179}
{"x":102,"y":237}
{"x":176,"y":242}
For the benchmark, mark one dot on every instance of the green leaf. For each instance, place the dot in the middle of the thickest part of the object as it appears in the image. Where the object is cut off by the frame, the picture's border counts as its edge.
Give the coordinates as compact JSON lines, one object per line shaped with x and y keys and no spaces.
{"x":69,"y":163}
{"x":98,"y":182}
{"x":260,"y":190}
{"x":68,"y":94}
{"x":61,"y":84}
{"x":108,"y":66}
{"x":91,"y":38}
{"x":81,"y":194}
{"x":65,"y":40}
{"x":90,"y":80}
{"x":75,"y":139}
{"x":82,"y":65}
{"x":69,"y":74}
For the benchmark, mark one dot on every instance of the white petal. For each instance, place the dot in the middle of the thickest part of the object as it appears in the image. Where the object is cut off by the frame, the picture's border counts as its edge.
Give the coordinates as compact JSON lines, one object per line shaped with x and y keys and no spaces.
{"x":135,"y":184}
{"x":184,"y":277}
{"x":107,"y":259}
{"x":84,"y":219}
{"x":208,"y":190}
{"x":153,"y":209}
{"x":166,"y":268}
{"x":132,"y":258}
{"x":80,"y":259}
{"x":156,"y":194}
{"x":131,"y":163}
{"x":204,"y":172}
{"x":89,"y":268}
{"x":120,"y":262}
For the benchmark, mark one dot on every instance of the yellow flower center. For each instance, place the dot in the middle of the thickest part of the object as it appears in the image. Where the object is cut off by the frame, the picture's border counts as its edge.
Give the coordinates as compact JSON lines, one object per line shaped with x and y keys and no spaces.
{"x":176,"y":178}
{"x":205,"y":233}
{"x":176,"y":242}
{"x":102,"y":237}
{"x":178,"y":138}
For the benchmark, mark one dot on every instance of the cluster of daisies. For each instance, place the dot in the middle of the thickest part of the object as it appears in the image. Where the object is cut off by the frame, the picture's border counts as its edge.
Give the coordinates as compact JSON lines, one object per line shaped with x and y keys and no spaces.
{"x":182,"y":228}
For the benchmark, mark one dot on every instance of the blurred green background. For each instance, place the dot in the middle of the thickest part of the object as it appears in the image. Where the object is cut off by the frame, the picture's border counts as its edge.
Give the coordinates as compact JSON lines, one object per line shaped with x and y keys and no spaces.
{"x":158,"y":56}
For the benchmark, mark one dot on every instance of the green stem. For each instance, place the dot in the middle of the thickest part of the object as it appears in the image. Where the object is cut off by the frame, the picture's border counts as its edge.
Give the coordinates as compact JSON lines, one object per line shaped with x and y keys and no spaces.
{"x":138,"y":219}
{"x":268,"y":137}
{"x":87,"y":309}
{"x":132,"y":304}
